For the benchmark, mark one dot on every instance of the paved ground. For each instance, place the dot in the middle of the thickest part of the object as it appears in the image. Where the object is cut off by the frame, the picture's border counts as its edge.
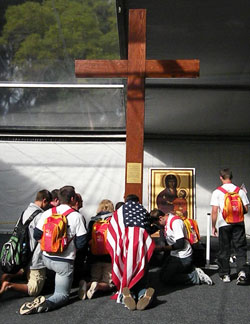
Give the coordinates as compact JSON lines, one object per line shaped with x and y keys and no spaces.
{"x":218,"y":304}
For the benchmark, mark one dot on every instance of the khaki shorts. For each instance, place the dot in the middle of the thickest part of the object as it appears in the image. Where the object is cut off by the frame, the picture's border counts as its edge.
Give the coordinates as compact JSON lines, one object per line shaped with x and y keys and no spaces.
{"x":36,"y":280}
{"x":102,"y":272}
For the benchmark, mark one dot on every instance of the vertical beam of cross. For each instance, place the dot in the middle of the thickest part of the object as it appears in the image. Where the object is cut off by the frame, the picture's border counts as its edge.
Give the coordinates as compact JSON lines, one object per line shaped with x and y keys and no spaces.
{"x":135,"y":102}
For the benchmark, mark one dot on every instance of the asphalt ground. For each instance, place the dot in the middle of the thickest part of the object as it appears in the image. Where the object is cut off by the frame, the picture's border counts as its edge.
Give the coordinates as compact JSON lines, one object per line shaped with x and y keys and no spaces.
{"x":222,"y":303}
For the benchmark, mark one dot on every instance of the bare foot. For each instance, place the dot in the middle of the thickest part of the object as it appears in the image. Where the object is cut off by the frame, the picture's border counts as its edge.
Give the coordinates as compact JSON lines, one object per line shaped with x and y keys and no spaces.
{"x":5,"y":286}
{"x":5,"y":277}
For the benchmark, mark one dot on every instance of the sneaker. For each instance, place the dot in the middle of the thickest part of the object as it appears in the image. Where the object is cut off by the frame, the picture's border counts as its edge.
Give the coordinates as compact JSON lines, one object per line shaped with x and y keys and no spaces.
{"x":242,"y":278}
{"x":225,"y":278}
{"x":232,"y":259}
{"x":204,"y":278}
{"x":92,"y":289}
{"x":145,"y":299}
{"x":33,"y":307}
{"x":128,"y":300}
{"x":82,"y":292}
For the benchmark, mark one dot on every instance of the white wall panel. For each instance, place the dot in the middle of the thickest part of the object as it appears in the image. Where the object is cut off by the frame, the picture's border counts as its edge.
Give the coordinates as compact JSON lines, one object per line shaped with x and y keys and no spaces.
{"x":96,"y":170}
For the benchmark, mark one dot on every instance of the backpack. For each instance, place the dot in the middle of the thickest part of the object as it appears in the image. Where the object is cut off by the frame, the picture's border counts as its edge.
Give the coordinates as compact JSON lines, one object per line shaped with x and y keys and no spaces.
{"x":16,"y":252}
{"x":191,"y":227}
{"x":99,"y":237}
{"x":233,"y":210}
{"x":54,"y":238}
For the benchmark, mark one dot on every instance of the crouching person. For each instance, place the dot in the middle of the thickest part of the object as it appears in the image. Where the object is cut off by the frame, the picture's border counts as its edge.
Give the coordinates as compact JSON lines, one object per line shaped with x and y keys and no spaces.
{"x":62,"y":261}
{"x":178,"y":266}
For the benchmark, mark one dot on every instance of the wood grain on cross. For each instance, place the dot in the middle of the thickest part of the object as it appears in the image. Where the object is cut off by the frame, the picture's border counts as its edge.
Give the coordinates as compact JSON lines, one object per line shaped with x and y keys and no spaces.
{"x":136,"y":68}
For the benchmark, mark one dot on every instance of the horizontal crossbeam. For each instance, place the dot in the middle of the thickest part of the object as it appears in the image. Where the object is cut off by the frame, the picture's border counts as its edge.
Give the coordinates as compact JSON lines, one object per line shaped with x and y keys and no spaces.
{"x":153,"y":69}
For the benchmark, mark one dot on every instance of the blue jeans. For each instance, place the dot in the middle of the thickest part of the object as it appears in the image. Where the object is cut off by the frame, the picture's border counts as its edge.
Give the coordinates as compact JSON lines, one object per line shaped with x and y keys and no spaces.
{"x":179,"y":271}
{"x":63,"y":282}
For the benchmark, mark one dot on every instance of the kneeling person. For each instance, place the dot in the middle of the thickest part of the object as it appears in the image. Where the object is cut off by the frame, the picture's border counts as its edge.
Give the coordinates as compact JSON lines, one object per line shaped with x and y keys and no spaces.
{"x":35,"y":271}
{"x":178,"y":266}
{"x":62,"y":263}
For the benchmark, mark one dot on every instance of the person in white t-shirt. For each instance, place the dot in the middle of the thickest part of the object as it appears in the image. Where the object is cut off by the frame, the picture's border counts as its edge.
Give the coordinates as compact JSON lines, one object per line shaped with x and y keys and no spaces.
{"x":178,"y":266}
{"x":230,"y":235}
{"x":61,"y":263}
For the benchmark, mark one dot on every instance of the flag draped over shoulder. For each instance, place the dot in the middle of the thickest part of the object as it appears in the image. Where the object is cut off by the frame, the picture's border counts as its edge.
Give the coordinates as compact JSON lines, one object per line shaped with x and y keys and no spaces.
{"x":129,"y":245}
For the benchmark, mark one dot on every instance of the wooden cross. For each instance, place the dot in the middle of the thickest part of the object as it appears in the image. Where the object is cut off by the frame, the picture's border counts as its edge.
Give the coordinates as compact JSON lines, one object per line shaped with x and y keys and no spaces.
{"x":136,"y":68}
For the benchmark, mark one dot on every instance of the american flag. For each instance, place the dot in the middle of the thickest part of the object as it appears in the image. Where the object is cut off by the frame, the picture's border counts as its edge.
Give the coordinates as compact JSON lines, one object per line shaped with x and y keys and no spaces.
{"x":129,"y":245}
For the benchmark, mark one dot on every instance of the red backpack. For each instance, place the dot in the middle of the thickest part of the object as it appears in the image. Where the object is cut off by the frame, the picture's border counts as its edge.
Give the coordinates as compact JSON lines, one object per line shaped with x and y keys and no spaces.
{"x":233,"y":210}
{"x":99,"y":237}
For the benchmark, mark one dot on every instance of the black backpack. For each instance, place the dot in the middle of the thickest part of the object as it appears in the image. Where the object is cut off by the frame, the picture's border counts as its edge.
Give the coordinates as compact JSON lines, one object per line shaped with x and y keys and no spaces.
{"x":16,"y":253}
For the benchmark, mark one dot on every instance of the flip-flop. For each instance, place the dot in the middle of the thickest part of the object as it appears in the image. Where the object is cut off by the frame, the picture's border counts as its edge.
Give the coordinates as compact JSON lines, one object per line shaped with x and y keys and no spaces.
{"x":82,"y":292}
{"x":92,"y":289}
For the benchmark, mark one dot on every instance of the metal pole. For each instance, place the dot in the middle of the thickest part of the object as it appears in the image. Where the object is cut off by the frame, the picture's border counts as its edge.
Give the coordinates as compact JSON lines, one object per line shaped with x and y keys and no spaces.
{"x":208,"y":239}
{"x":208,"y":265}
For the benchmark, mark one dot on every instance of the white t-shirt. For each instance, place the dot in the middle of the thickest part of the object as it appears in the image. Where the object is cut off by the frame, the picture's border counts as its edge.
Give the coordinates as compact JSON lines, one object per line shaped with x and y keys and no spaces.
{"x":217,"y":199}
{"x":178,"y":231}
{"x":36,"y":261}
{"x":76,"y":227}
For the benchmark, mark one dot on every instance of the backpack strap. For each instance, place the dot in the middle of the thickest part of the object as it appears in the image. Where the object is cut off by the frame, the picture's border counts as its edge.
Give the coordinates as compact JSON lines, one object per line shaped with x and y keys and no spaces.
{"x":29,"y":220}
{"x":32,"y":216}
{"x":66,"y":213}
{"x":171,"y":221}
{"x":222,"y":190}
{"x":236,"y":190}
{"x":71,"y":210}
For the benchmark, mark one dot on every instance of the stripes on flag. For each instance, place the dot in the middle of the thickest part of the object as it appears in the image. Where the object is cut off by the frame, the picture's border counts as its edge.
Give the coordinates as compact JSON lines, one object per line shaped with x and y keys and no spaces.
{"x":131,"y":249}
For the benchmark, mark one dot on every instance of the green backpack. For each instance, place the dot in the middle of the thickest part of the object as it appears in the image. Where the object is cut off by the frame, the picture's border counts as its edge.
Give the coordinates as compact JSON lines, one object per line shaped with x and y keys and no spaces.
{"x":16,"y":252}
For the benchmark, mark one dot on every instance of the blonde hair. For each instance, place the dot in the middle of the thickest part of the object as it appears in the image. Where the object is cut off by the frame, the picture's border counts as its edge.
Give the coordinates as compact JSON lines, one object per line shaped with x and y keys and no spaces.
{"x":105,"y":205}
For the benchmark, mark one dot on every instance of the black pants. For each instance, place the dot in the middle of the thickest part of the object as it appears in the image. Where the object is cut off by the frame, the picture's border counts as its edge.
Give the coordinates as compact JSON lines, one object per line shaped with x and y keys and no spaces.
{"x":232,"y":236}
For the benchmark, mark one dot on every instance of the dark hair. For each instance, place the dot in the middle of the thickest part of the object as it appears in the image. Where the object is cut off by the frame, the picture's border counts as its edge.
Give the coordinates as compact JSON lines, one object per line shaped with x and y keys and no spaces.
{"x":66,"y":193}
{"x":132,"y":197}
{"x":226,"y":174}
{"x":155,"y":215}
{"x":44,"y":194}
{"x":55,"y":194}
{"x":79,"y":200}
{"x":119,"y":204}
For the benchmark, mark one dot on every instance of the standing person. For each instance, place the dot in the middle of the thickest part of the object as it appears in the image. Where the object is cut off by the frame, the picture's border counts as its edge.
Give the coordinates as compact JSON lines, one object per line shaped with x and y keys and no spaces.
{"x":178,"y":266}
{"x":61,"y":263}
{"x":231,"y":235}
{"x":128,"y":239}
{"x":98,"y":257}
{"x":35,"y":271}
